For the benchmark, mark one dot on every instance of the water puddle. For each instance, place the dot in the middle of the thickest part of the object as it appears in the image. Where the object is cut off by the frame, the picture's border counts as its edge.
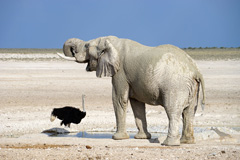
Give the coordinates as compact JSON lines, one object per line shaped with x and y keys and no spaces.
{"x":236,"y":128}
{"x":199,"y":132}
{"x":95,"y":135}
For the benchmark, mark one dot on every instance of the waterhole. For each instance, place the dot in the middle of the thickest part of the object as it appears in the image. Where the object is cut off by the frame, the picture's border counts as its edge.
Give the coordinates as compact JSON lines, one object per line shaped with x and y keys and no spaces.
{"x":201,"y":131}
{"x":96,"y":135}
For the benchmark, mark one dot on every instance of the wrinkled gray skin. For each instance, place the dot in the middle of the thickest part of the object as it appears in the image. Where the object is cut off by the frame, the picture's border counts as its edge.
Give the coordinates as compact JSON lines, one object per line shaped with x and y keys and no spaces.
{"x":163,"y":75}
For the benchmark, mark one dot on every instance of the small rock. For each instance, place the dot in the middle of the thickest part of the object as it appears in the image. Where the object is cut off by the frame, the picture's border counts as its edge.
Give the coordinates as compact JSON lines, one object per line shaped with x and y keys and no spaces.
{"x":223,"y":151}
{"x":88,"y":147}
{"x":212,"y":154}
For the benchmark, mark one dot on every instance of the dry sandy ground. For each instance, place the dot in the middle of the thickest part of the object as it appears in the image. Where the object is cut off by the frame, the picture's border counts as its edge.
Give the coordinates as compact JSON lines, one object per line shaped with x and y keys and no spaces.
{"x":30,"y":90}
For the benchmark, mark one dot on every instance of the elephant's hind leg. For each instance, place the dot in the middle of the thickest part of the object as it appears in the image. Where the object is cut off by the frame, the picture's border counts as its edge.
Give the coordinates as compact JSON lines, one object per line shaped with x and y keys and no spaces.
{"x":187,"y":131}
{"x":174,"y":104}
{"x":188,"y":117}
{"x":173,"y":129}
{"x":140,"y":119}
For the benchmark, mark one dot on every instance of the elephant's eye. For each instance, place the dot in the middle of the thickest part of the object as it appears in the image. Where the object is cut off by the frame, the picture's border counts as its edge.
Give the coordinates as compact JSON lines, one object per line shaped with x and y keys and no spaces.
{"x":105,"y":50}
{"x":102,"y":52}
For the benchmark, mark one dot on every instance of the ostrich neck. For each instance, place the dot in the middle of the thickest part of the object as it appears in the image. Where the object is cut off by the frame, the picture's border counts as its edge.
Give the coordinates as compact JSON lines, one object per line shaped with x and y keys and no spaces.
{"x":83,"y":103}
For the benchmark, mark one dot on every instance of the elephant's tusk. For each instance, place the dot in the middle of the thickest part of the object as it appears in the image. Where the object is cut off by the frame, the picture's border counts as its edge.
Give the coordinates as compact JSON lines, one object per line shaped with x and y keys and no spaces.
{"x":65,"y":57}
{"x":52,"y":118}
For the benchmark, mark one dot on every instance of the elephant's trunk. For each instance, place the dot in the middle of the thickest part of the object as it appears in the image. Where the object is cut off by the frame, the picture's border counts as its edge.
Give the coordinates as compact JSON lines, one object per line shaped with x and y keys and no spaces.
{"x":68,"y":48}
{"x":74,"y":50}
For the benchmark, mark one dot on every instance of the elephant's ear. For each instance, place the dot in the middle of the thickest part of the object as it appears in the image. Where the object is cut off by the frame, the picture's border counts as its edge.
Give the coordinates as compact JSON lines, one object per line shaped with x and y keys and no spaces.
{"x":108,"y":60}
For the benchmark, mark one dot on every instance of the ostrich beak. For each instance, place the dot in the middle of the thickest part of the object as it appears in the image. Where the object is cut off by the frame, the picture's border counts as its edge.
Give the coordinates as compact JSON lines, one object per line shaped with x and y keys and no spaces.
{"x":67,"y":58}
{"x":52,"y":118}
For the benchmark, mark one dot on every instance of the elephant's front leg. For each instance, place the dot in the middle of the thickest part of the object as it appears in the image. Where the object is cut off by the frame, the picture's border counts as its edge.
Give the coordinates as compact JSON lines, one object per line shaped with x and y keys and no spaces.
{"x":140,"y":119}
{"x":120,"y":100}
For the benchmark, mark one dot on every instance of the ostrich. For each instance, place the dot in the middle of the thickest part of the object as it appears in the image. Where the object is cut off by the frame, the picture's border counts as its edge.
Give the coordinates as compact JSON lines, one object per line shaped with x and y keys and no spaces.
{"x":69,"y":114}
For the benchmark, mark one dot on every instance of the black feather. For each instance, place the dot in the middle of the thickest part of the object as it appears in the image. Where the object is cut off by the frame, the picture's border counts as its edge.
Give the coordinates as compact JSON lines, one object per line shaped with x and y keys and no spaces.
{"x":69,"y":115}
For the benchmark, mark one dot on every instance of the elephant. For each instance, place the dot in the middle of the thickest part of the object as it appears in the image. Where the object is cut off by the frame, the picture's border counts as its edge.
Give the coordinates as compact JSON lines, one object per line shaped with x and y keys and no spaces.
{"x":164,"y":75}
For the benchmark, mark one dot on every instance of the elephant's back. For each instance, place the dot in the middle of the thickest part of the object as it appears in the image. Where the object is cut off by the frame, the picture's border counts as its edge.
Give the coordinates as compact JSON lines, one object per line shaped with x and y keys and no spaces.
{"x":176,"y":54}
{"x":159,"y":69}
{"x":166,"y":54}
{"x":168,"y":48}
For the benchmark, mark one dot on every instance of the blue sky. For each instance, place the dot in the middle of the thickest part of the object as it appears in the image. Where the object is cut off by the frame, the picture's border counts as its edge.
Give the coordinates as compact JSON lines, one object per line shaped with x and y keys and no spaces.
{"x":184,"y":23}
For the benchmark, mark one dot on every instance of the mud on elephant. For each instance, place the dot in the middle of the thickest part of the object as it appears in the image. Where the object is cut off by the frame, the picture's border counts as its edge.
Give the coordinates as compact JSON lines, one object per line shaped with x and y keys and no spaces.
{"x":164,"y":75}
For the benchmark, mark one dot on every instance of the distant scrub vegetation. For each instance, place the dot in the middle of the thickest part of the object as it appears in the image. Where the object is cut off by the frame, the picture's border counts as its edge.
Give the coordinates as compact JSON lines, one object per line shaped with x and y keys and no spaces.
{"x":29,"y":50}
{"x":207,"y":53}
{"x":213,"y":53}
{"x":54,"y":50}
{"x":212,"y":48}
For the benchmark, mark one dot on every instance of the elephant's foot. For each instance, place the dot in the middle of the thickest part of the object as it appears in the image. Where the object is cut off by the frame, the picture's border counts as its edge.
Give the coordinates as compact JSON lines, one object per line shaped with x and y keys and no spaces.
{"x":120,"y":136}
{"x":187,"y":140}
{"x":143,"y":135}
{"x":171,"y":141}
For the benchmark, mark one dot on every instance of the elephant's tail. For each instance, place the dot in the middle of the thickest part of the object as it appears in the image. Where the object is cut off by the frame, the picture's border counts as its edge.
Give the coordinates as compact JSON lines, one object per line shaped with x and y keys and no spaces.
{"x":203,"y":90}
